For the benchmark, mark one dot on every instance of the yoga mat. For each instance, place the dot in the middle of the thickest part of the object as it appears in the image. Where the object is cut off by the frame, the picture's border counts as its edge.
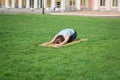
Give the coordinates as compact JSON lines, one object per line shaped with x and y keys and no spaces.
{"x":70,"y":43}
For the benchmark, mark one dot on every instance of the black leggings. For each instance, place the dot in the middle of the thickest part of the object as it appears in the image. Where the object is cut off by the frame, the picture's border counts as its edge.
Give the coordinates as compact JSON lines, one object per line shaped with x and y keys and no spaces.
{"x":73,"y":37}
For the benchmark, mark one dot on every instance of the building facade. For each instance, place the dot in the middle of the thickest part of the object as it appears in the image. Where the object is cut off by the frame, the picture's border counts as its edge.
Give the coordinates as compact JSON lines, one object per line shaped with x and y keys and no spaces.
{"x":63,"y":5}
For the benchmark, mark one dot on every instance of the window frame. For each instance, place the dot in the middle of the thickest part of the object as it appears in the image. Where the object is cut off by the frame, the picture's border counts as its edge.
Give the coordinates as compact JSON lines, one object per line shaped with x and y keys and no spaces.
{"x":102,"y":3}
{"x":115,"y":3}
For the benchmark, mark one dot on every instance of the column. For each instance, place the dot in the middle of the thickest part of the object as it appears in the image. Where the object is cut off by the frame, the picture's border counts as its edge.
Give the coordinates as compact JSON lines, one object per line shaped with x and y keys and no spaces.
{"x":45,"y":3}
{"x":39,"y":4}
{"x":27,"y":3}
{"x":53,"y":4}
{"x":96,"y":5}
{"x":20,"y":3}
{"x":118,"y":5}
{"x":78,"y":4}
{"x":7,"y":3}
{"x":108,"y":5}
{"x":35,"y":3}
{"x":63,"y":5}
{"x":13,"y":3}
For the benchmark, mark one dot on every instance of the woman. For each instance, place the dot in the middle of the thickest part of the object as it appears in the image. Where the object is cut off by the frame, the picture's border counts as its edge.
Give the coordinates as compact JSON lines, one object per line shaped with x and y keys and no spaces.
{"x":63,"y":37}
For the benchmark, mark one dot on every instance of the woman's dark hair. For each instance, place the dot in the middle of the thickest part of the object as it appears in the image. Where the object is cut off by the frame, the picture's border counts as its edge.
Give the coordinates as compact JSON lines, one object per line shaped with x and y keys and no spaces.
{"x":59,"y":39}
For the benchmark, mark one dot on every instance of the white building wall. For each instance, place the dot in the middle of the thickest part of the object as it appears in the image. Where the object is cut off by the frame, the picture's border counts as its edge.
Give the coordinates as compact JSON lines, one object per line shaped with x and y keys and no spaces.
{"x":20,"y":3}
{"x":118,"y":5}
{"x":96,"y":5}
{"x":45,"y":4}
{"x":78,"y":4}
{"x":27,"y":3}
{"x":6,"y":3}
{"x":13,"y":3}
{"x":53,"y":4}
{"x":35,"y":4}
{"x":108,"y":5}
{"x":65,"y":5}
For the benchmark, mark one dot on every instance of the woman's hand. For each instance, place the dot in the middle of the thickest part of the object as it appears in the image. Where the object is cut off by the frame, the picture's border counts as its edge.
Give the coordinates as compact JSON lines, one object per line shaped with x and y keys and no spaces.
{"x":45,"y":44}
{"x":57,"y":45}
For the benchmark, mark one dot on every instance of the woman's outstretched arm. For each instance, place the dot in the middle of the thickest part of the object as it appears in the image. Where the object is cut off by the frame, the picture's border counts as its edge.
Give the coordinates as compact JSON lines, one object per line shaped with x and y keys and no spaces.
{"x":50,"y":42}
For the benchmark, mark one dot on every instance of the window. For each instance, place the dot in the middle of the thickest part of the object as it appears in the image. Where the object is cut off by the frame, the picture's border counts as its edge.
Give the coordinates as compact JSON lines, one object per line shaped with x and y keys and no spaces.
{"x":16,"y":4}
{"x":82,"y":3}
{"x":31,"y":3}
{"x":102,"y":2}
{"x":23,"y":3}
{"x":10,"y":2}
{"x":1,"y":3}
{"x":85,"y":3}
{"x":72,"y":2}
{"x":58,"y":3}
{"x":48,"y":3}
{"x":115,"y":3}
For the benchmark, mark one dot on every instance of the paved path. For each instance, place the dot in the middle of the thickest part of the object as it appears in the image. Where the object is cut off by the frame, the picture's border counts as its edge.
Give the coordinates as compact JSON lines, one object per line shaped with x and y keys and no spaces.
{"x":19,"y":11}
{"x":91,"y":13}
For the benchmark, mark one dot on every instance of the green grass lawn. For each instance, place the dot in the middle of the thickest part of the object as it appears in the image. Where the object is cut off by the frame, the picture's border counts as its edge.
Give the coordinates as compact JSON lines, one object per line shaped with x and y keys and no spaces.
{"x":21,"y":59}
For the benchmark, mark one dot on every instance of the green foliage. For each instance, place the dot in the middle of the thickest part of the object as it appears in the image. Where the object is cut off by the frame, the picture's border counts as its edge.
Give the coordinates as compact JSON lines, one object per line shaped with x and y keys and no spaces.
{"x":22,"y":59}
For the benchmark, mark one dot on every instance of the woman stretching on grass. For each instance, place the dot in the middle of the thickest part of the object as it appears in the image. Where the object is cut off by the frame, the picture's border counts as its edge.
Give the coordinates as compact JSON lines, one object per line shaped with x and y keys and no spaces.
{"x":63,"y":37}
